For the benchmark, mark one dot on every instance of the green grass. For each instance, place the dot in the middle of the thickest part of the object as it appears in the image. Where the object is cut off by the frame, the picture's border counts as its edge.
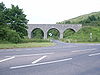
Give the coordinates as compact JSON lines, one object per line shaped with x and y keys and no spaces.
{"x":26,"y":45}
{"x":83,"y":35}
{"x":34,"y":40}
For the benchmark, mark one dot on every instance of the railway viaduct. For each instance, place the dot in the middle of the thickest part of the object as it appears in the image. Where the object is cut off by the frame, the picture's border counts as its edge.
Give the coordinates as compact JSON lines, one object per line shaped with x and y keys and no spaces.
{"x":46,"y":27}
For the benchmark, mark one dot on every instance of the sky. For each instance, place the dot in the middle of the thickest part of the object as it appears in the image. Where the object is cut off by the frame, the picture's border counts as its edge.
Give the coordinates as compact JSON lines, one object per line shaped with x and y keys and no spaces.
{"x":52,"y":11}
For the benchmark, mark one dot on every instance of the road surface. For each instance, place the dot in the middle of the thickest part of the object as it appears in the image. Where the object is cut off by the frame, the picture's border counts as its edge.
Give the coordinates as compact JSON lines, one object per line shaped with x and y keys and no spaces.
{"x":62,"y":59}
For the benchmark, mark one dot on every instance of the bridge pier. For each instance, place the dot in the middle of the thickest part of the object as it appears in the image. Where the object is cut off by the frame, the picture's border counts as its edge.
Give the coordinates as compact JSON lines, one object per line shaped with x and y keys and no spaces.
{"x":61,"y":35}
{"x":45,"y":35}
{"x":29,"y":35}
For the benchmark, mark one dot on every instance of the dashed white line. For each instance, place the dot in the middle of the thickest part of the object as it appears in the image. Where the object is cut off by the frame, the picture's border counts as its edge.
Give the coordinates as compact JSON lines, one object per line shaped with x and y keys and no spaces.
{"x":38,"y":59}
{"x":93,"y":44}
{"x":7,"y":59}
{"x":31,"y":54}
{"x":84,"y":50}
{"x":51,"y":62}
{"x":94,"y":54}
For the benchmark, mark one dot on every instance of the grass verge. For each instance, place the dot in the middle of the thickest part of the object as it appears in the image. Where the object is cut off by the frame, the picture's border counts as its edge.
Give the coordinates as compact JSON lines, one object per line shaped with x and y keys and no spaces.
{"x":26,"y":45}
{"x":76,"y":41}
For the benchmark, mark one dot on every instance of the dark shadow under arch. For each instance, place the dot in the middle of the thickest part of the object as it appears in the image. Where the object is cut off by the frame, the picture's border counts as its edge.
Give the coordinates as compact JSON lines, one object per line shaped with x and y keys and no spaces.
{"x":55,"y":33}
{"x":68,"y":32}
{"x":37,"y":33}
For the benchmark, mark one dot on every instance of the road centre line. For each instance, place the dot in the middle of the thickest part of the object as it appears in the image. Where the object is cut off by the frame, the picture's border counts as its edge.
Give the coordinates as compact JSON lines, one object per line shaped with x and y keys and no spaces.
{"x":39,"y":59}
{"x":84,"y":50}
{"x":7,"y":59}
{"x":93,"y":44}
{"x":94,"y":54}
{"x":44,"y":63}
{"x":31,"y":54}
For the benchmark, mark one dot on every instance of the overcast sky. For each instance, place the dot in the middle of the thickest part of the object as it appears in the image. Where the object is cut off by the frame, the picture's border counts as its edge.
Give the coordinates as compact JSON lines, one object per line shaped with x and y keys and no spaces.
{"x":52,"y":11}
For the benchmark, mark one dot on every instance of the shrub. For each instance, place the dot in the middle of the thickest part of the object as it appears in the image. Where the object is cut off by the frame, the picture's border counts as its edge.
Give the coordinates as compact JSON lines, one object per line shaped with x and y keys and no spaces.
{"x":13,"y":36}
{"x":9,"y":35}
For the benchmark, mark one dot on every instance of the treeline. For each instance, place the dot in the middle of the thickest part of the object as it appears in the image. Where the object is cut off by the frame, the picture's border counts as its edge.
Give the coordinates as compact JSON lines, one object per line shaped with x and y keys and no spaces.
{"x":13,"y":23}
{"x":92,"y":19}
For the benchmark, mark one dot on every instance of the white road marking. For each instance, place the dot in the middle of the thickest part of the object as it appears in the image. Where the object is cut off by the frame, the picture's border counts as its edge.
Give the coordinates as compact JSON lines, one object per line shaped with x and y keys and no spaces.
{"x":93,"y":44}
{"x":38,"y":59}
{"x":7,"y":59}
{"x":94,"y":54}
{"x":84,"y":50}
{"x":30,"y":54}
{"x":51,"y":62}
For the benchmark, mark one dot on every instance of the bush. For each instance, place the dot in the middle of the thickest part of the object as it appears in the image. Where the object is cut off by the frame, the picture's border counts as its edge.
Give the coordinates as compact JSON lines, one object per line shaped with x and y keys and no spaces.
{"x":13,"y":36}
{"x":4,"y":42}
{"x":9,"y":35}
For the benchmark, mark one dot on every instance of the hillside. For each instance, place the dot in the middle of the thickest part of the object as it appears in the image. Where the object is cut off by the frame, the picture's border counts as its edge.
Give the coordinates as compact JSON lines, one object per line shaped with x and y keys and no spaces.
{"x":87,"y":19}
{"x":83,"y":35}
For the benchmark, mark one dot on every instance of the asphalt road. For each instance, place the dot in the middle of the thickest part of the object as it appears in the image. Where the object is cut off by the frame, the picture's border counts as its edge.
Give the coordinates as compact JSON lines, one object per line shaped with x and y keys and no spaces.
{"x":62,"y":59}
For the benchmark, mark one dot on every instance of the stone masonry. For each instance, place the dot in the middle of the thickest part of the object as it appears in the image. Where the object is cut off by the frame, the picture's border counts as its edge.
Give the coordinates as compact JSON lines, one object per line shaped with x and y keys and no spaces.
{"x":46,"y":27}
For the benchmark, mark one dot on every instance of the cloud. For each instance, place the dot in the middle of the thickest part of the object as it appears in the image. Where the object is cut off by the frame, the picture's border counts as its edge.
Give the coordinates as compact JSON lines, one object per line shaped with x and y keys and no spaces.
{"x":52,"y":11}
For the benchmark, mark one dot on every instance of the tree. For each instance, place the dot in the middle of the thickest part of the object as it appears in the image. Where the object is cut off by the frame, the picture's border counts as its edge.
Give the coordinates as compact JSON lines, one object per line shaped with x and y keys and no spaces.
{"x":67,"y":22}
{"x":16,"y":20}
{"x":13,"y":23}
{"x":2,"y":15}
{"x":92,"y":18}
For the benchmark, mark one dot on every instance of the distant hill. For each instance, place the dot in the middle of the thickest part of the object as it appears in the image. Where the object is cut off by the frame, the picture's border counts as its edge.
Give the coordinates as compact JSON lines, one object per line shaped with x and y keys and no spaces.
{"x":92,"y":19}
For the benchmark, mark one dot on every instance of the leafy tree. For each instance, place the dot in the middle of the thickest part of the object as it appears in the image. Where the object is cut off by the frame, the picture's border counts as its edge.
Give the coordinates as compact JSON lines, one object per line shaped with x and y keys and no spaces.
{"x":92,"y":18}
{"x":16,"y":20}
{"x":2,"y":15}
{"x":13,"y":23}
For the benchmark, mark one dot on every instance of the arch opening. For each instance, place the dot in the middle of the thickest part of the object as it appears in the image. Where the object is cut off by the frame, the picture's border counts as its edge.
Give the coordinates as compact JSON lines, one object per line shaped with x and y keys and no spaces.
{"x":37,"y":33}
{"x":68,"y":32}
{"x":53,"y":33}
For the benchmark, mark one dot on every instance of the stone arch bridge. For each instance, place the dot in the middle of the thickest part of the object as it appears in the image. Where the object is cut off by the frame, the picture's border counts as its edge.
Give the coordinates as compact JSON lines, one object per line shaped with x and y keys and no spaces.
{"x":46,"y":27}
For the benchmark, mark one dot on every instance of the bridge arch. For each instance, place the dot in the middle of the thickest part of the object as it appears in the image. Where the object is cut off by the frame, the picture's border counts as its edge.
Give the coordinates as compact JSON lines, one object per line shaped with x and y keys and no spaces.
{"x":55,"y":33}
{"x":68,"y":32}
{"x":37,"y":33}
